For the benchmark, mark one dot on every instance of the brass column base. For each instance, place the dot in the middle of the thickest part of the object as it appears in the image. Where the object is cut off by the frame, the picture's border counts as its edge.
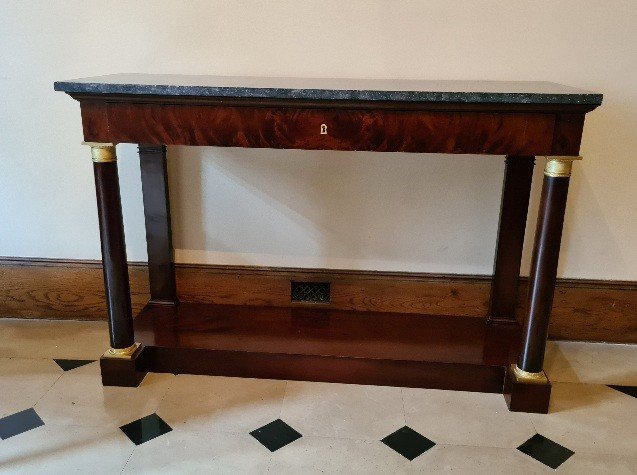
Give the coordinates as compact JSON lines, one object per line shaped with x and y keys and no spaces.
{"x":122,"y":353}
{"x":527,"y":377}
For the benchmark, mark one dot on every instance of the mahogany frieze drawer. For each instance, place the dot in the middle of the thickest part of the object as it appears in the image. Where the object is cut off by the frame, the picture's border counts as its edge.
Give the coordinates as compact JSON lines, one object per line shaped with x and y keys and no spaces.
{"x":520,"y":133}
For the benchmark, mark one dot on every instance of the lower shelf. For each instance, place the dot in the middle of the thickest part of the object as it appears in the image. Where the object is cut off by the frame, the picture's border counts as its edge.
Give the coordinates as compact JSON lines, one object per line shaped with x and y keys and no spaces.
{"x":317,"y":344}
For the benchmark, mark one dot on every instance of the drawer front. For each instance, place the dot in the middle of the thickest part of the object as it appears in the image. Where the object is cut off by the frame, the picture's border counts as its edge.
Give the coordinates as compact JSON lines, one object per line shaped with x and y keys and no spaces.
{"x":325,"y":129}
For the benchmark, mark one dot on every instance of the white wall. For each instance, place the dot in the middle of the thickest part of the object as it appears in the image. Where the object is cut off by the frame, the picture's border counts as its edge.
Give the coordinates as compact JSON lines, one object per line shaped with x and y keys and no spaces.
{"x":425,"y":213}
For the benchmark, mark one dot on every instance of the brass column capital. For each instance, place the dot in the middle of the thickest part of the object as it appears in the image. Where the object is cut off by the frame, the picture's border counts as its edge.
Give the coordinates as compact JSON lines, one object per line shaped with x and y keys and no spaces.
{"x":102,"y":152}
{"x":559,"y":166}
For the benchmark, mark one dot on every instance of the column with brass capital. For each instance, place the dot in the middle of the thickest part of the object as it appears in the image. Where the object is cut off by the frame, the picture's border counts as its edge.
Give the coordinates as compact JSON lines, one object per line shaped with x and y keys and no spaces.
{"x":548,"y":235}
{"x":116,"y":283}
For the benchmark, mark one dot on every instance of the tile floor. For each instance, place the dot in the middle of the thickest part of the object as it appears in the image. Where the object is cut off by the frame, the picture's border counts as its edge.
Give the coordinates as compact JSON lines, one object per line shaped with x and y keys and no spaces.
{"x":55,"y":417}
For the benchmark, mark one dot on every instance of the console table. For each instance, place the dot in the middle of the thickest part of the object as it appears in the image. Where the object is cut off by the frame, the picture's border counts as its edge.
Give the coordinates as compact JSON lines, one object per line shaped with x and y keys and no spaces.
{"x":519,"y":120}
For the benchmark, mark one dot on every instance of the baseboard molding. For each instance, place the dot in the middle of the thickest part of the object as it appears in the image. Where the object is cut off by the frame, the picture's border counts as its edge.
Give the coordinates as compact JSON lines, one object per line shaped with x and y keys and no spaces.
{"x":589,"y":310}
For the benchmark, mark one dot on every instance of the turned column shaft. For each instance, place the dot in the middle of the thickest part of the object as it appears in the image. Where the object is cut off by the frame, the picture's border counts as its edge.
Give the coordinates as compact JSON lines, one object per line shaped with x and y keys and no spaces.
{"x":544,"y":264}
{"x":109,"y":210}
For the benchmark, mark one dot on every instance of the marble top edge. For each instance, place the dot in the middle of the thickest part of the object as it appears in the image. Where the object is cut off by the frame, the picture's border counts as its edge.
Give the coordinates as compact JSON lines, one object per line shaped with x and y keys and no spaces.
{"x":332,"y":89}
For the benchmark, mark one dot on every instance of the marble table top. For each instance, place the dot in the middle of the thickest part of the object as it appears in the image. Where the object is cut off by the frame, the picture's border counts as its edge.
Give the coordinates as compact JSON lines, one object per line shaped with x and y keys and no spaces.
{"x":502,"y":92}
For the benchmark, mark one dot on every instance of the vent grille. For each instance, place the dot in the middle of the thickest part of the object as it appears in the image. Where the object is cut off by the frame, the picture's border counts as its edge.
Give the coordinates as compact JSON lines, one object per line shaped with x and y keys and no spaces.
{"x":311,"y":292}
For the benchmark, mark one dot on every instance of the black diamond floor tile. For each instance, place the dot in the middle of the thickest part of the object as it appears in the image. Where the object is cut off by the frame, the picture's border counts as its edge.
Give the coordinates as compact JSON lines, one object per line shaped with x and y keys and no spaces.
{"x":275,"y":435}
{"x":630,"y":390}
{"x":408,"y":443}
{"x":546,"y":451}
{"x":145,"y":429}
{"x":19,"y":422}
{"x":67,"y":365}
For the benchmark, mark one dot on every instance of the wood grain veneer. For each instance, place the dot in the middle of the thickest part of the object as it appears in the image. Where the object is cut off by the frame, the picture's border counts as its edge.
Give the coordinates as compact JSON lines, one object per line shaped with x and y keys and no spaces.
{"x":517,"y":129}
{"x":295,"y":128}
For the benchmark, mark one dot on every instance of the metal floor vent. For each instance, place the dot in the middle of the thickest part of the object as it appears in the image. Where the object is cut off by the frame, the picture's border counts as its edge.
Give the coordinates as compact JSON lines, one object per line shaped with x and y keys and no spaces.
{"x":311,"y":292}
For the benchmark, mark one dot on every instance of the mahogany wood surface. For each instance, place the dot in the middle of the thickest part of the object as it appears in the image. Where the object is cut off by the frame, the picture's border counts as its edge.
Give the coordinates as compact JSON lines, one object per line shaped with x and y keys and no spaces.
{"x":317,"y":331}
{"x":332,"y":369}
{"x":69,"y":289}
{"x":568,"y":134}
{"x":161,"y":268}
{"x":407,"y":349}
{"x":420,"y":131}
{"x":122,"y":372}
{"x":331,"y":345}
{"x":116,"y":281}
{"x":526,"y":397}
{"x":516,"y":191}
{"x":546,"y":253}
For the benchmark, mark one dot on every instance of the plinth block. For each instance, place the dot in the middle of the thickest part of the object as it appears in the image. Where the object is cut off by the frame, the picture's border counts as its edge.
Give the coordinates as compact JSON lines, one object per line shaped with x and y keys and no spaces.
{"x":118,"y":371}
{"x":525,"y":396}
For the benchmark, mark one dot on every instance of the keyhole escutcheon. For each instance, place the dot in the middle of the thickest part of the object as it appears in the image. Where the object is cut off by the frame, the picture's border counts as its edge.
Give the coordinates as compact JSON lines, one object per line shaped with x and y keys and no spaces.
{"x":323,"y":129}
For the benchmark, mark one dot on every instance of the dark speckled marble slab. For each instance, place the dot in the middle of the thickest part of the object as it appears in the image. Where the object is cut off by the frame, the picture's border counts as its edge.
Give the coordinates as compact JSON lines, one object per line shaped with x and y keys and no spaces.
{"x":502,"y":92}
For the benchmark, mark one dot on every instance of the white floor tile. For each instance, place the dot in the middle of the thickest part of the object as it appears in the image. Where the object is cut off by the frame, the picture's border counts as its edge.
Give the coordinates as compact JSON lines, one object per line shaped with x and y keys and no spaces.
{"x":583,"y":464}
{"x":237,"y":405}
{"x":53,"y":339}
{"x":477,"y":461}
{"x":78,"y":398}
{"x":341,"y":424}
{"x":590,"y":418}
{"x":190,"y":451}
{"x":601,"y":363}
{"x":24,"y":381}
{"x":327,"y":455}
{"x":464,"y":418}
{"x":62,"y":450}
{"x":343,"y":410}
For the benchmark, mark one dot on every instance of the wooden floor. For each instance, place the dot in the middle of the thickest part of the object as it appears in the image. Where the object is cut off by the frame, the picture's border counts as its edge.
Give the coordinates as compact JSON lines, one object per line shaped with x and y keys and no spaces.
{"x":326,"y":345}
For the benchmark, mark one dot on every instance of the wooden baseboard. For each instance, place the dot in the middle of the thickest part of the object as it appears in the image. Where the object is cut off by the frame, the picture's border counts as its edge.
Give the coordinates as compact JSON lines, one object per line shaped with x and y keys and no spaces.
{"x":588,"y":310}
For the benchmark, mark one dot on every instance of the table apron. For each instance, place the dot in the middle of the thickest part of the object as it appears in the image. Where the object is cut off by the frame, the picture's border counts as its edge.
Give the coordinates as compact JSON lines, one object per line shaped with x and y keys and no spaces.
{"x":455,"y":132}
